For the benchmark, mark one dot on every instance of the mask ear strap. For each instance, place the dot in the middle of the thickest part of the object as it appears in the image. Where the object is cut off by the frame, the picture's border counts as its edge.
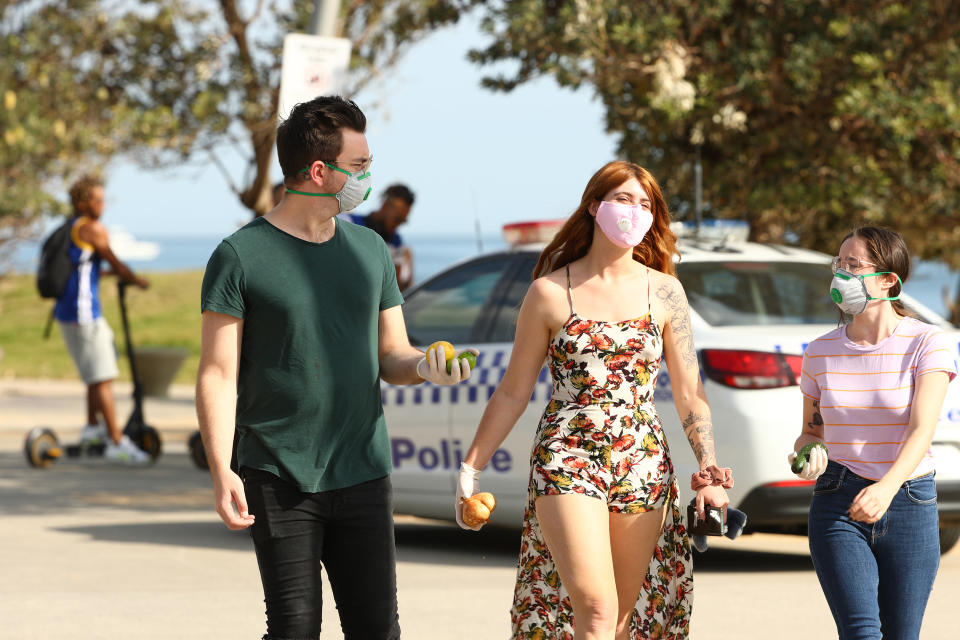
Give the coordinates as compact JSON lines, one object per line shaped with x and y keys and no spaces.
{"x":884,"y":273}
{"x":306,"y":170}
{"x":307,"y":193}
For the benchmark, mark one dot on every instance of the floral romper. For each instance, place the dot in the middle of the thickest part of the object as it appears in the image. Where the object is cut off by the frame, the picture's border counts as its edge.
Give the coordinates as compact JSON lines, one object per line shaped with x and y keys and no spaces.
{"x":600,"y":436}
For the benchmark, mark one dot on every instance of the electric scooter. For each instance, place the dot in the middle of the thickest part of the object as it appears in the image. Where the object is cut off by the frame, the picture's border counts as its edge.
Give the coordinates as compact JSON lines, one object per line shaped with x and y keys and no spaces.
{"x":42,"y":448}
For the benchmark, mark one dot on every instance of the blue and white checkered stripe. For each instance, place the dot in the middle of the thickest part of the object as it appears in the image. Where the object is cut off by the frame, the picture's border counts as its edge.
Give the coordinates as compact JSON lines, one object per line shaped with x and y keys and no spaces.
{"x":491,"y":365}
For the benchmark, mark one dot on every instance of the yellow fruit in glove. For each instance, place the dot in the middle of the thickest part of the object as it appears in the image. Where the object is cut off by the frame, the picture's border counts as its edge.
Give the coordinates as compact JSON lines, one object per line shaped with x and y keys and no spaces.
{"x":476,"y":509}
{"x":446,"y":347}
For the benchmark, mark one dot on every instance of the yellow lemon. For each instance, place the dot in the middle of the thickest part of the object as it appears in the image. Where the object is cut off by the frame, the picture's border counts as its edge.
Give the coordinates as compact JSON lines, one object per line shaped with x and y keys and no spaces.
{"x":448,"y":350}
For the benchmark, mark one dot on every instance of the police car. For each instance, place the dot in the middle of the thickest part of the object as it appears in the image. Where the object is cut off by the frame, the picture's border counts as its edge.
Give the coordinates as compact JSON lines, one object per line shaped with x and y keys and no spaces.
{"x":754,"y":308}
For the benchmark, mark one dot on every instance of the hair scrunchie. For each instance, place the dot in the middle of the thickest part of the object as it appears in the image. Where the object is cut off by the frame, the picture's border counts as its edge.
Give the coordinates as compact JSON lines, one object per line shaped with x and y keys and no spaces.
{"x":712,"y":476}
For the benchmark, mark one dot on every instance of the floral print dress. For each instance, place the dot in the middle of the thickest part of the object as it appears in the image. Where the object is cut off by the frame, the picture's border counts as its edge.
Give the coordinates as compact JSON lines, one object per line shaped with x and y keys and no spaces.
{"x":600,"y":436}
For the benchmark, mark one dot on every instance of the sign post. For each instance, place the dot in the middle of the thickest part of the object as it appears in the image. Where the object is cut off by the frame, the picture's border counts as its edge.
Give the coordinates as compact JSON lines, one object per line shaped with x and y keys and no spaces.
{"x":311,"y":66}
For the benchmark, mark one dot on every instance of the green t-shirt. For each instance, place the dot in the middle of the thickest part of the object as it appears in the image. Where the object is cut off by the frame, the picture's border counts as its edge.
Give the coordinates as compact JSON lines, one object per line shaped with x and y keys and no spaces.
{"x":308,"y":392}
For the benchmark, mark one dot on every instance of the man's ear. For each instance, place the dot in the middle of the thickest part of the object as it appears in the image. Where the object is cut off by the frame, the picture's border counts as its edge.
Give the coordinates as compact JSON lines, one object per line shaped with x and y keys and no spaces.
{"x":315,"y":171}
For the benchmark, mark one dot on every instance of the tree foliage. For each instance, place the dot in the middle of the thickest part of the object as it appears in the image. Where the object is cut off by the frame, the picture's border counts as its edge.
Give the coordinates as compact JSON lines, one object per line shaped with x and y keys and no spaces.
{"x":812,"y":116}
{"x":163,"y":82}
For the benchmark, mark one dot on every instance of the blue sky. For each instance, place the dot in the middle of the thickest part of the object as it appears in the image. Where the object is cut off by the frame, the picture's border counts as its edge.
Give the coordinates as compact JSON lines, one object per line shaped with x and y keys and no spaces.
{"x":465,"y":151}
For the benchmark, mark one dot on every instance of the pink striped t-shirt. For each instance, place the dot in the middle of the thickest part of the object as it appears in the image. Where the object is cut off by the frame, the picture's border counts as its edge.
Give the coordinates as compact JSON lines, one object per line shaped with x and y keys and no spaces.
{"x":866,"y":391}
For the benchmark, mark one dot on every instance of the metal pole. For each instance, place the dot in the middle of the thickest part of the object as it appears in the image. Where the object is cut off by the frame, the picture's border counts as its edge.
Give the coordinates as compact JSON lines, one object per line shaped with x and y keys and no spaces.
{"x":323,"y":21}
{"x":698,"y":190}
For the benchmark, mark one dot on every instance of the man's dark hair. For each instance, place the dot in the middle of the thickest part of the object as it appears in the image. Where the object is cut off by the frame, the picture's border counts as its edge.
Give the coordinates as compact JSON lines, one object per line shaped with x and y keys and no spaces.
{"x":400,"y":191}
{"x":81,"y":189}
{"x":312,"y":132}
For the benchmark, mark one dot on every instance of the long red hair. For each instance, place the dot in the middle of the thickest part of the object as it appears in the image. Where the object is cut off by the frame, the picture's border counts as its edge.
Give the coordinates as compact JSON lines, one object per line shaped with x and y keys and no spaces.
{"x":574,"y":238}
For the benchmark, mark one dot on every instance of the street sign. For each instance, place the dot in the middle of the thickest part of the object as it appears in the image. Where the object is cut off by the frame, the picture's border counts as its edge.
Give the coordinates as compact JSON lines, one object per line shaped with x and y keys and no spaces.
{"x":312,"y":66}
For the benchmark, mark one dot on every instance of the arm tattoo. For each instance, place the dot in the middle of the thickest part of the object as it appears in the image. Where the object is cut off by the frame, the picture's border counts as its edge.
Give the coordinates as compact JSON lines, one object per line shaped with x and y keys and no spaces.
{"x":699,"y":431}
{"x":678,"y":313}
{"x":817,"y":418}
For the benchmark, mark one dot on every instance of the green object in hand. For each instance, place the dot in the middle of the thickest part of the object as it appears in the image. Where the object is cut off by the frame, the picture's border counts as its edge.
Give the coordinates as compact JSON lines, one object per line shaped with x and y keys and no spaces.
{"x":802,"y":456}
{"x":464,"y":355}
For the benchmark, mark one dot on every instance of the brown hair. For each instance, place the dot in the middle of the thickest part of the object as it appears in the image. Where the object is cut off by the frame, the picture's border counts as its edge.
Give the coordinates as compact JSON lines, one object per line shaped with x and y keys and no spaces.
{"x":574,"y":238}
{"x":81,"y":189}
{"x":888,"y":251}
{"x":313,"y":131}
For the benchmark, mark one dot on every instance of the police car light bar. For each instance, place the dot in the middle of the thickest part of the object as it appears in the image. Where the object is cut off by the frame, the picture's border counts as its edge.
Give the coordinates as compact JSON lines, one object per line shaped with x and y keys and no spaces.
{"x":535,"y":232}
{"x":720,"y":231}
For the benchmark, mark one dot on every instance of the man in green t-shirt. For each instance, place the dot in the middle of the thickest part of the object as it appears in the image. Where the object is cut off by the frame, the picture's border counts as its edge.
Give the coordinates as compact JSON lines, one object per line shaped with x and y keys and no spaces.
{"x":301,"y":320}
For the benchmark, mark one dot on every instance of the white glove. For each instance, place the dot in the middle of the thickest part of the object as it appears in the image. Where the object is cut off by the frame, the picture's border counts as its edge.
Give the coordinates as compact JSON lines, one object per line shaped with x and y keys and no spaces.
{"x":433,"y":368}
{"x":468,"y":483}
{"x":815,"y":466}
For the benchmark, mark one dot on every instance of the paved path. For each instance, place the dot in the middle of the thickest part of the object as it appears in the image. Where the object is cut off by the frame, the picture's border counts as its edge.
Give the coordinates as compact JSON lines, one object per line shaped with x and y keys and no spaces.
{"x":90,"y":551}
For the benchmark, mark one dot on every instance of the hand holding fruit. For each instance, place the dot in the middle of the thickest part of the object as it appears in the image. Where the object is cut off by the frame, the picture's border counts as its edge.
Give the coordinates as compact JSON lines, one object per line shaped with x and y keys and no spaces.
{"x":475,"y":511}
{"x":440,"y":366}
{"x":467,"y":484}
{"x":810,"y":462}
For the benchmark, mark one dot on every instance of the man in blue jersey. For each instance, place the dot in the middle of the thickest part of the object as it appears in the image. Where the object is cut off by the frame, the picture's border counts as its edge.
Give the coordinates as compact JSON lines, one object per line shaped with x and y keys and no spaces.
{"x":397,"y":202}
{"x":85,"y":330}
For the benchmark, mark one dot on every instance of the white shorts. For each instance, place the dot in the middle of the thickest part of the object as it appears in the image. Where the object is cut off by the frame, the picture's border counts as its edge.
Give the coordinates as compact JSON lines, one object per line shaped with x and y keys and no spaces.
{"x":92,"y":349}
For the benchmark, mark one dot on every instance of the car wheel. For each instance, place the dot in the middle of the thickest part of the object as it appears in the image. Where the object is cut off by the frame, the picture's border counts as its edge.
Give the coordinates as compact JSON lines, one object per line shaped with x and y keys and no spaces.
{"x":948,"y":538}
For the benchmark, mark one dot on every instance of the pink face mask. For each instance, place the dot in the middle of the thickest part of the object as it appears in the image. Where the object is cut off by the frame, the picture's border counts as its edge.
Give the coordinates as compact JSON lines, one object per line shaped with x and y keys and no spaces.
{"x":624,"y":224}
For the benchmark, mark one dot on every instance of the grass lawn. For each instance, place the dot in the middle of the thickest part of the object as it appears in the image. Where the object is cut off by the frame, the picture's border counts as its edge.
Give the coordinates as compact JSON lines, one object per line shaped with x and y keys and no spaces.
{"x":166,"y":314}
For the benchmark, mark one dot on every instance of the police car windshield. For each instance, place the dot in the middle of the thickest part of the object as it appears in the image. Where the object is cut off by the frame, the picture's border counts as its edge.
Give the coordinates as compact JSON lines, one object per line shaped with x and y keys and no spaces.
{"x":759,"y":293}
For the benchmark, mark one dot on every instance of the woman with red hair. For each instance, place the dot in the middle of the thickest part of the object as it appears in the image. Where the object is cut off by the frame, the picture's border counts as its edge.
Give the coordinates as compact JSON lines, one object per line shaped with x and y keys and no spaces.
{"x":604,"y":552}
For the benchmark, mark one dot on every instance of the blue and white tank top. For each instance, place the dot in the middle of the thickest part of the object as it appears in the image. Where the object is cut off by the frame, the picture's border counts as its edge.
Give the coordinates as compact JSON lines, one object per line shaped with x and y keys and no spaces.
{"x":80,"y":301}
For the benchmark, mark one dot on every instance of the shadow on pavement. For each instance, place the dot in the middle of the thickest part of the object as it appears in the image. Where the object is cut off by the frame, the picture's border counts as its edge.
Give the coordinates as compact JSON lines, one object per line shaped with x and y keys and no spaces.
{"x":749,"y":561}
{"x":172,"y":484}
{"x":209,"y":535}
{"x":444,"y":543}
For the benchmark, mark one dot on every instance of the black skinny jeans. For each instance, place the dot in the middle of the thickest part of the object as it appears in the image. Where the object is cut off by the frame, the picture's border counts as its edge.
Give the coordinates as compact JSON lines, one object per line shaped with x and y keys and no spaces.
{"x":349,"y":532}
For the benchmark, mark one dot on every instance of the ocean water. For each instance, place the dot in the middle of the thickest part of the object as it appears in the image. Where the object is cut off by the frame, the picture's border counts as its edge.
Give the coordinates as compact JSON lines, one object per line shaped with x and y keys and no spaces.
{"x":929,"y":282}
{"x":431,"y":254}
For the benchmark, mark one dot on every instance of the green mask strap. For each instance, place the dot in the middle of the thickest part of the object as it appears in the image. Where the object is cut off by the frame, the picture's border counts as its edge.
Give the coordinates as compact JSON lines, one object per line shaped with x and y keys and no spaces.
{"x":882,"y":273}
{"x":321,"y":195}
{"x":307,"y":193}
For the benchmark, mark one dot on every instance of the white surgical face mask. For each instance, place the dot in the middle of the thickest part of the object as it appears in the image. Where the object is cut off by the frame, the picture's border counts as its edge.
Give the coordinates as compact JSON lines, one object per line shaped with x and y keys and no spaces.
{"x":849,"y":291}
{"x":355,"y":190}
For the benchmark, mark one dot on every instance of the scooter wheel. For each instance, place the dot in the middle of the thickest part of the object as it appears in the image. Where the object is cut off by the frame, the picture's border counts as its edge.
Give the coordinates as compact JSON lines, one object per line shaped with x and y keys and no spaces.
{"x":197,"y":452}
{"x":42,"y":448}
{"x":149,"y":441}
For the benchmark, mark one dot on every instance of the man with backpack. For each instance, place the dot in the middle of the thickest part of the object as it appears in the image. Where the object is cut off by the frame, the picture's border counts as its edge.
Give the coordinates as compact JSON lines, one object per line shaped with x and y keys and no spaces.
{"x":88,"y":337}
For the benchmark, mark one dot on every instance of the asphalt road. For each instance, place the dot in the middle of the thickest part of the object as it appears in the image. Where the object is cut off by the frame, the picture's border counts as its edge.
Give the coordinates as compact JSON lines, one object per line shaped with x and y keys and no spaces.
{"x":95,"y":551}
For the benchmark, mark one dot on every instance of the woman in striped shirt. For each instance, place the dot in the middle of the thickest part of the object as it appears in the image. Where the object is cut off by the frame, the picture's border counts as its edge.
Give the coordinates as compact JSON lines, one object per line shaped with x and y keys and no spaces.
{"x":873,"y":391}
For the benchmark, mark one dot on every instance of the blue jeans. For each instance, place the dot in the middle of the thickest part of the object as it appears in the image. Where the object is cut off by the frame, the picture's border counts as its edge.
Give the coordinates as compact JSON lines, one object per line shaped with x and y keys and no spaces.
{"x":348,"y":532}
{"x":876,"y":577}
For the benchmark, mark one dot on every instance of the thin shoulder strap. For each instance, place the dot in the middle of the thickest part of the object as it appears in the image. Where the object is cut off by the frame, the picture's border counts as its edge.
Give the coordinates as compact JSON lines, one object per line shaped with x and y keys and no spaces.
{"x":649,"y":305}
{"x":570,"y":292}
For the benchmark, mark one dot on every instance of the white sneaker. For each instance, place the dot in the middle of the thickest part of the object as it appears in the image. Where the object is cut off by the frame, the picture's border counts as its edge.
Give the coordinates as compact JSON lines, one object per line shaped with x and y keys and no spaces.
{"x":125,"y":452}
{"x":93,"y":434}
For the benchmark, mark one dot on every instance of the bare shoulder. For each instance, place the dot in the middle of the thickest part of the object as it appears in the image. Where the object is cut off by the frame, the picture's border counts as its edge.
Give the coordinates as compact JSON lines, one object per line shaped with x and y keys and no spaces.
{"x":667,"y":295}
{"x":547,"y":289}
{"x":659,"y":280}
{"x":93,"y":230}
{"x":547,"y":297}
